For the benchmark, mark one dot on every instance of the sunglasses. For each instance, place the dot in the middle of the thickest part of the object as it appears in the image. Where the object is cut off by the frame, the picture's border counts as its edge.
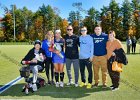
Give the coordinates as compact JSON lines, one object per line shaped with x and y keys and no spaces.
{"x":69,"y":29}
{"x":83,"y":30}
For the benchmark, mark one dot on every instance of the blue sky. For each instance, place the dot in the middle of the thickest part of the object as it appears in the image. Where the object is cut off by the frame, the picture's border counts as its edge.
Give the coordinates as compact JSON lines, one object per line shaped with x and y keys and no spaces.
{"x":65,"y":6}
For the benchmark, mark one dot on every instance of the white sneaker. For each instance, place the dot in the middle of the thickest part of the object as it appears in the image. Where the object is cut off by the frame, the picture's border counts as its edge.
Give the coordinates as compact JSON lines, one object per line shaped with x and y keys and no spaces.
{"x":34,"y":87}
{"x":61,"y":84}
{"x":57,"y":84}
{"x":70,"y":83}
{"x":26,"y":91}
{"x":76,"y":84}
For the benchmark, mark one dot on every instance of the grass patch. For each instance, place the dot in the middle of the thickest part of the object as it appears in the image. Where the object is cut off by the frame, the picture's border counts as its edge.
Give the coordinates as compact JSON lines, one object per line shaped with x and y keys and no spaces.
{"x":129,"y":85}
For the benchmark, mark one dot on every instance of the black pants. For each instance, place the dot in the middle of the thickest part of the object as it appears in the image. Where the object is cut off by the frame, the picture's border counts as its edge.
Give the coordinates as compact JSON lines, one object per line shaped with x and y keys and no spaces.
{"x":88,"y":64}
{"x":128,"y":49}
{"x":115,"y":76}
{"x":133,"y":48}
{"x":48,"y":64}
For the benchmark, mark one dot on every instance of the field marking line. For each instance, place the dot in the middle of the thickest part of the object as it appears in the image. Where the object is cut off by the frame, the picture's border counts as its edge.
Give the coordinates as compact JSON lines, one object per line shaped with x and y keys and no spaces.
{"x":10,"y":84}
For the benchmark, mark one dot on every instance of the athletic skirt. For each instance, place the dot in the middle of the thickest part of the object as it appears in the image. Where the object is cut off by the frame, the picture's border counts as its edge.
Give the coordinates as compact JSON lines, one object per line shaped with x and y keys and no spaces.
{"x":58,"y":58}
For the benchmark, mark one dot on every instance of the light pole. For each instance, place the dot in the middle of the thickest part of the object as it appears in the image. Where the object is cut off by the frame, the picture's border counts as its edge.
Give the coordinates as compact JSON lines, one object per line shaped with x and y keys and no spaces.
{"x":14,"y":22}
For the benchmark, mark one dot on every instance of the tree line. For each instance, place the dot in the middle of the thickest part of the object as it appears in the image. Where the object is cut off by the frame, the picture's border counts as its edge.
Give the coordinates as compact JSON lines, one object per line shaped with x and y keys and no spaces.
{"x":123,"y":18}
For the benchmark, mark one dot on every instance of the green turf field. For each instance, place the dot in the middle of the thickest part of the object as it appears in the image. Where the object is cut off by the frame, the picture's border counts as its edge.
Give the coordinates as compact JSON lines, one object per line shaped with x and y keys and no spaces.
{"x":11,"y":54}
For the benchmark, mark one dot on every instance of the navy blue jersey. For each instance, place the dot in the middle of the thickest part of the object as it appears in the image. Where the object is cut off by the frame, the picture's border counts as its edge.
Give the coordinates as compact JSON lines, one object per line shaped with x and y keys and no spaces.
{"x":100,"y":44}
{"x":59,"y":58}
{"x":60,"y":42}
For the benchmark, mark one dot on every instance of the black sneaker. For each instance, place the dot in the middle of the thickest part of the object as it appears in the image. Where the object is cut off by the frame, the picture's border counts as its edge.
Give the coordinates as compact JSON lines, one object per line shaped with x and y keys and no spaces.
{"x":52,"y":82}
{"x":49,"y":82}
{"x":115,"y":89}
{"x":111,"y":86}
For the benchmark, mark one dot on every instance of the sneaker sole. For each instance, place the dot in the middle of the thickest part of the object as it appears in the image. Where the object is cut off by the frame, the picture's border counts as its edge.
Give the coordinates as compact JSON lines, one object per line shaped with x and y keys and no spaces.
{"x":95,"y":86}
{"x":88,"y":87}
{"x":115,"y":89}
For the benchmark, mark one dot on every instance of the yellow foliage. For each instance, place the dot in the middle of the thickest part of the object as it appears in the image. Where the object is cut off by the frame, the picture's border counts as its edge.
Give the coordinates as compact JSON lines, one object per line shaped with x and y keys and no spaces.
{"x":1,"y":34}
{"x":63,"y":26}
{"x":21,"y":36}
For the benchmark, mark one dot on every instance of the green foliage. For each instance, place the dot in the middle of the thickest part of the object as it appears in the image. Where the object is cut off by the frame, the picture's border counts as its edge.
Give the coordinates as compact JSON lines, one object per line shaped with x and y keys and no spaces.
{"x":8,"y":25}
{"x":92,"y":19}
{"x":127,"y":13}
{"x":48,"y":17}
{"x":75,"y":20}
{"x":122,"y":19}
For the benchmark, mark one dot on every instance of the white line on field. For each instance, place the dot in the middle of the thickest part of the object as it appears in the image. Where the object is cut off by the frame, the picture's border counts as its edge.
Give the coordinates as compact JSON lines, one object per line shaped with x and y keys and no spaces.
{"x":10,"y":84}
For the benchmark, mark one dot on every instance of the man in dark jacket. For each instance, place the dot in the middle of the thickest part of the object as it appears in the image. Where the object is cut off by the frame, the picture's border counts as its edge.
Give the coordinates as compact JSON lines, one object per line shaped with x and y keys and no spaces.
{"x":72,"y":55}
{"x":34,"y":59}
{"x":134,"y":42}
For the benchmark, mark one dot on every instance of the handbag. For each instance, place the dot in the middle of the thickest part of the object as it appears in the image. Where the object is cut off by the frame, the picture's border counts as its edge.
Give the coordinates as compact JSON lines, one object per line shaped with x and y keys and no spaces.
{"x":116,"y":66}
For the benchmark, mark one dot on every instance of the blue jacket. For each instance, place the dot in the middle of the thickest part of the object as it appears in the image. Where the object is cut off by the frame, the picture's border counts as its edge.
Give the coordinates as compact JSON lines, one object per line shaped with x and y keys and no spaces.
{"x":100,"y":44}
{"x":45,"y":47}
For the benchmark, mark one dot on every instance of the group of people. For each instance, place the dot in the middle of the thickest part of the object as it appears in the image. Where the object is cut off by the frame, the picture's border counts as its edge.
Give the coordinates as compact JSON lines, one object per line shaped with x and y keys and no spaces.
{"x":81,"y":52}
{"x":131,"y":44}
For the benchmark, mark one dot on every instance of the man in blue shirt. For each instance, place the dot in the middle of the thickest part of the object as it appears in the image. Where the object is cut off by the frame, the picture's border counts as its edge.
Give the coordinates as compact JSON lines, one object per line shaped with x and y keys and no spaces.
{"x":85,"y":56}
{"x":100,"y":60}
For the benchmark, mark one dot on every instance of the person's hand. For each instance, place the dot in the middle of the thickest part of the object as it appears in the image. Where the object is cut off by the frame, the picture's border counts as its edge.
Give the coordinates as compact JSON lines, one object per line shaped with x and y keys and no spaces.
{"x":91,"y":59}
{"x":34,"y":61}
{"x":113,"y":54}
{"x":51,"y":49}
{"x":23,"y":62}
{"x":57,"y":52}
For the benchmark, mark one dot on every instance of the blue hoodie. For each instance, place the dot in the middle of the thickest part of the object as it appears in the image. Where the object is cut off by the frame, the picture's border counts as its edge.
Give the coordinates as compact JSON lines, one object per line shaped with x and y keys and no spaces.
{"x":45,"y":47}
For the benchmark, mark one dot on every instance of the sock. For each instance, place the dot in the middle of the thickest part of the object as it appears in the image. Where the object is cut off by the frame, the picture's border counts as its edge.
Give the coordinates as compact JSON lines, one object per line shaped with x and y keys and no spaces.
{"x":56,"y":76}
{"x":62,"y":76}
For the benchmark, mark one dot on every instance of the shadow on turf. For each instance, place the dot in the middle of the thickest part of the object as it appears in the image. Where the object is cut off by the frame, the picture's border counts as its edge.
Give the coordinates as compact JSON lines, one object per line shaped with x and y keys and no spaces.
{"x":133,"y":54}
{"x":52,"y":91}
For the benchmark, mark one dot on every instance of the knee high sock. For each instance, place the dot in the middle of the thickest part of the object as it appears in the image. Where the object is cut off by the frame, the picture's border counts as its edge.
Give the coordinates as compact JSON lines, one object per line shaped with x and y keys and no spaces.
{"x":56,"y":76}
{"x":62,"y":76}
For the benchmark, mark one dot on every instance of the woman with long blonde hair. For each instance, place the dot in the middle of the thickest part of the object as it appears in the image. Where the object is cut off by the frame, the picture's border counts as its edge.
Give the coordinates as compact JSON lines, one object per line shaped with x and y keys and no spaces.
{"x":49,"y":38}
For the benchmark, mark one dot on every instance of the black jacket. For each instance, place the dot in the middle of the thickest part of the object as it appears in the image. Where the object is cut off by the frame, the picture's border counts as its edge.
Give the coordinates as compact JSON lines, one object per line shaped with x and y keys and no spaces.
{"x":71,"y":46}
{"x":120,"y":56}
{"x":30,"y":55}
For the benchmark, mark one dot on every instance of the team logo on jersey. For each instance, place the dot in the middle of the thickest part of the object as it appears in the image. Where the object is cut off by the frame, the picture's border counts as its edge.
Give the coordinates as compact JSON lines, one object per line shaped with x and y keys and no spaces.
{"x":98,"y":40}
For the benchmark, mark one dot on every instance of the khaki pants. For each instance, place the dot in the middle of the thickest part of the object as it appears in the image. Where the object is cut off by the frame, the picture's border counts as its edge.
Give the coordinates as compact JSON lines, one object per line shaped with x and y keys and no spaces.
{"x":100,"y":62}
